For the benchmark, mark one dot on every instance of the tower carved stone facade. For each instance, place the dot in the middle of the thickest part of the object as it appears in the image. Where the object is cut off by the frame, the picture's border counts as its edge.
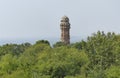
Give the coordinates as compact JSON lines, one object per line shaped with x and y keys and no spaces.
{"x":65,"y":30}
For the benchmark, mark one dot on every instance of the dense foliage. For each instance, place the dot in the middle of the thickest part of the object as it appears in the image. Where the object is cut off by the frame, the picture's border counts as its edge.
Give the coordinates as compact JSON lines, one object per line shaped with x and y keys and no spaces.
{"x":96,"y":57}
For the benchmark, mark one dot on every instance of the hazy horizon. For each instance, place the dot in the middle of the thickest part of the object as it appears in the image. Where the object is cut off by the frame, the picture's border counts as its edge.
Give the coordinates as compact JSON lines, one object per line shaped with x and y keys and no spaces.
{"x":52,"y":40}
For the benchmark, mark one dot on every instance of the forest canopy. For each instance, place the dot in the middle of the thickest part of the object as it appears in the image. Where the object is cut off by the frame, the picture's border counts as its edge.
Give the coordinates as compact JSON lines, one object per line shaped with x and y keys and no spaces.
{"x":96,"y":57}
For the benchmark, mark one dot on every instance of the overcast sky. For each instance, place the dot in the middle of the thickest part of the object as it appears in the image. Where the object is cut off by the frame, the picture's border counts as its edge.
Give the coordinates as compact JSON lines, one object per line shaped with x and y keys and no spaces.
{"x":21,"y":19}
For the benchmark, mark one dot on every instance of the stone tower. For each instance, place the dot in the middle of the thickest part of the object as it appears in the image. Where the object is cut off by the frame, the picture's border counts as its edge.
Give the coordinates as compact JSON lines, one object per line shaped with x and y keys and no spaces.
{"x":65,"y":30}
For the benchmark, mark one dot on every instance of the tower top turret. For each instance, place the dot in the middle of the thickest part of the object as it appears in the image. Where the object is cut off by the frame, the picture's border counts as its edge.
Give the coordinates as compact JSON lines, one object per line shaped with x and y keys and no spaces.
{"x":65,"y":22}
{"x":65,"y":19}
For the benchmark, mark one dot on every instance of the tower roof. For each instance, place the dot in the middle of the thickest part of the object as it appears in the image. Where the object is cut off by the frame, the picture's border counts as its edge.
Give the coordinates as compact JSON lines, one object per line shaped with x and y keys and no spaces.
{"x":65,"y":19}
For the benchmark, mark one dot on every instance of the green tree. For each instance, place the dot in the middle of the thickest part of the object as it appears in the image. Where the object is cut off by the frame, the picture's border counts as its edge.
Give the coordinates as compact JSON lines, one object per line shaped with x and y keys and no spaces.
{"x":61,"y":61}
{"x":42,"y":42}
{"x":113,"y":72}
{"x":59,"y":44}
{"x":8,"y":64}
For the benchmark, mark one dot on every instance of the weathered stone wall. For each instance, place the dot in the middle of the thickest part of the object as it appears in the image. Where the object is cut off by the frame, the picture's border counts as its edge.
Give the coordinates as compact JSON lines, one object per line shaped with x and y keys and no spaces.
{"x":65,"y":30}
